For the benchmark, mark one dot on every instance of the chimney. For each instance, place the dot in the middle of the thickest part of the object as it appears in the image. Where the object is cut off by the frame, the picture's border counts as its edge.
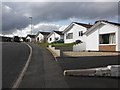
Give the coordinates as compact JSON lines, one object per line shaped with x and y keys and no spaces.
{"x":102,"y":20}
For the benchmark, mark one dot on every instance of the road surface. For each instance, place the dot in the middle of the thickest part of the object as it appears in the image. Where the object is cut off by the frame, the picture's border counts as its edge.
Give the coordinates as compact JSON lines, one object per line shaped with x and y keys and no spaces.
{"x":14,"y":57}
{"x":68,"y":63}
{"x":43,"y":71}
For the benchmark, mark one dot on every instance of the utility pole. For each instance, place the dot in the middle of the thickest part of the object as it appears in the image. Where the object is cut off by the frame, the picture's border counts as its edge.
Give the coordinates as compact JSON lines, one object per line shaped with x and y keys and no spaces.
{"x":31,"y":24}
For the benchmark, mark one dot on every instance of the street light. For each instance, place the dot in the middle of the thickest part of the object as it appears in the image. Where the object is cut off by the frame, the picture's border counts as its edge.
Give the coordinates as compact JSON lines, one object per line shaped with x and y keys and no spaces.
{"x":31,"y":24}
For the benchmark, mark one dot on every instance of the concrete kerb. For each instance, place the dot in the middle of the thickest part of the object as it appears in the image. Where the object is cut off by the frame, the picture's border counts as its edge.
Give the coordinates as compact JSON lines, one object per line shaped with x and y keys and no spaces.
{"x":55,"y":52}
{"x":80,"y":72}
{"x":109,"y":71}
{"x":20,"y":77}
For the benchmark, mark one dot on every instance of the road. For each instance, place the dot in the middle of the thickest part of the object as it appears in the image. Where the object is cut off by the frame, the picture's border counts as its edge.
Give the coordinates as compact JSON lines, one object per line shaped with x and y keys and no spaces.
{"x":14,"y":57}
{"x":67,"y":63}
{"x":44,"y":72}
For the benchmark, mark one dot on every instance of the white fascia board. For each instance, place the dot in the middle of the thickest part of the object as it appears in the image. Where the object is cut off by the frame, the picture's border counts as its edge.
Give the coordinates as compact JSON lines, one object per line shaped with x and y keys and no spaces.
{"x":50,"y":34}
{"x":68,"y":28}
{"x":94,"y":26}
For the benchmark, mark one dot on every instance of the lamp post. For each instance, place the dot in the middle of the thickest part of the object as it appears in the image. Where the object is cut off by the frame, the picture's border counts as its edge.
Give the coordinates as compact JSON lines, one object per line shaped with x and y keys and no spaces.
{"x":31,"y":24}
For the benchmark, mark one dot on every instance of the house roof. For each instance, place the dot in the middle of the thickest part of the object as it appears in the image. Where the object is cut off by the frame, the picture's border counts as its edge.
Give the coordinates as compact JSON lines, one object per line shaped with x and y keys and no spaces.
{"x":58,"y":32}
{"x":43,"y":33}
{"x":101,"y":22}
{"x":81,"y":24}
{"x":118,"y":24}
{"x":31,"y":36}
{"x":84,"y":25}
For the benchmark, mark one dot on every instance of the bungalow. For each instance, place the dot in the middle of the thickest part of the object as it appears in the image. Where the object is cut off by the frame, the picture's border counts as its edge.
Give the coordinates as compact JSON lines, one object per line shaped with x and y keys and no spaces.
{"x":55,"y":36}
{"x":42,"y":36}
{"x":103,"y":36}
{"x":22,"y":39}
{"x":30,"y":38}
{"x":75,"y":31}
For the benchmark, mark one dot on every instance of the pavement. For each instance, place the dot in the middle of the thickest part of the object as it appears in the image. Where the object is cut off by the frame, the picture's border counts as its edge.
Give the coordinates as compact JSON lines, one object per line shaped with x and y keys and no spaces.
{"x":85,"y":54}
{"x":14,"y":57}
{"x":43,"y":71}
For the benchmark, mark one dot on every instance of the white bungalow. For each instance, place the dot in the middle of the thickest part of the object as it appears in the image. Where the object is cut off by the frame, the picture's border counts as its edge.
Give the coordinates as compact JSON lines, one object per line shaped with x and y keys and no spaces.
{"x":55,"y":36}
{"x":75,"y":31}
{"x":41,"y":36}
{"x":103,"y":36}
{"x":30,"y":38}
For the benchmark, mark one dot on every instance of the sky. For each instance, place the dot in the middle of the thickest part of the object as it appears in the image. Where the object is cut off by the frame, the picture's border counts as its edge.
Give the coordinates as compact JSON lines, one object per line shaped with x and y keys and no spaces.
{"x":49,"y":16}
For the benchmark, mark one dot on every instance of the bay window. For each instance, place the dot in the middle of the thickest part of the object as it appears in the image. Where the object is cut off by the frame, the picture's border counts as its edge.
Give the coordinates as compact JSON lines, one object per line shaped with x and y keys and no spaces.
{"x":107,"y":38}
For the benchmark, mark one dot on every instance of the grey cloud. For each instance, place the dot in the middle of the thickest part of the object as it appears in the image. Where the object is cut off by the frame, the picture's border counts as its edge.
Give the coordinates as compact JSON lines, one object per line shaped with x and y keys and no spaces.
{"x":12,"y":20}
{"x":45,"y":27}
{"x":56,"y":11}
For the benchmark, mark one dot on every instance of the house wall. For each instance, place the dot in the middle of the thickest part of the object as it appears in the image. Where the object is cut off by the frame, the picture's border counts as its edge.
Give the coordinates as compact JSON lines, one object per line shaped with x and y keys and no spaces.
{"x":33,"y":40}
{"x":75,"y":30}
{"x":79,"y":47}
{"x":92,"y":42}
{"x":41,"y":38}
{"x":53,"y":36}
{"x":29,"y":39}
{"x":118,"y":39}
{"x":61,"y":36}
{"x":107,"y":48}
{"x":106,"y":29}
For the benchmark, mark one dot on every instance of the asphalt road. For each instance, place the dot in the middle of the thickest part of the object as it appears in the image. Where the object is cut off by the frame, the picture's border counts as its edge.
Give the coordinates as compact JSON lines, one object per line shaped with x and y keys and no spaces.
{"x":14,"y":57}
{"x":43,"y":71}
{"x":89,"y":62}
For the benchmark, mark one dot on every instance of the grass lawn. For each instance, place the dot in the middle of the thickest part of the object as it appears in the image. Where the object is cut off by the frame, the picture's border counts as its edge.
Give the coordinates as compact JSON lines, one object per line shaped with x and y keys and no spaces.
{"x":57,"y":44}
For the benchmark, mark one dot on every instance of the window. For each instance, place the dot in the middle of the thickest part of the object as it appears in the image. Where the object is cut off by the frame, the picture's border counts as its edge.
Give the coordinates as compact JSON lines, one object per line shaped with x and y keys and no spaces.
{"x":56,"y":38}
{"x":81,"y":33}
{"x":50,"y":39}
{"x":38,"y":39}
{"x":69,"y":36}
{"x":107,"y":38}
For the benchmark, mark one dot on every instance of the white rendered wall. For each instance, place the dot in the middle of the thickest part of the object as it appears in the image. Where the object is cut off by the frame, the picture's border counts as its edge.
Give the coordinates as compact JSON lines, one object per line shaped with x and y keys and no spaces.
{"x":92,"y":41}
{"x":53,"y":36}
{"x":79,"y":47}
{"x":75,"y":30}
{"x":118,"y":39}
{"x":108,"y":28}
{"x":41,"y":38}
{"x":28,"y":38}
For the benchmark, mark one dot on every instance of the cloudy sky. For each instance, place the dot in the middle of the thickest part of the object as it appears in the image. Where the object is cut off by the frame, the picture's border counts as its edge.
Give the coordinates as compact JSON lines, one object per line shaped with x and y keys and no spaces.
{"x":48,"y":16}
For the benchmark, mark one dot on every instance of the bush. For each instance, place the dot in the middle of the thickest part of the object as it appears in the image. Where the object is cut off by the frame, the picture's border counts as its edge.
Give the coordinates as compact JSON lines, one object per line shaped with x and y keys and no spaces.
{"x":59,"y":41}
{"x":78,"y":41}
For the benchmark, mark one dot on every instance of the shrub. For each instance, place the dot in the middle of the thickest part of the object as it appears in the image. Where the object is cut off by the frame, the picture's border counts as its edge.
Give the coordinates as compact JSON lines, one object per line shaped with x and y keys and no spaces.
{"x":78,"y":41}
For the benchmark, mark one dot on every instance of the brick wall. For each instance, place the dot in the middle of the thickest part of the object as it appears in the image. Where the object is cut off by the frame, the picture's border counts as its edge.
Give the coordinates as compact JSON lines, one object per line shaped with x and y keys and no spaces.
{"x":107,"y":48}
